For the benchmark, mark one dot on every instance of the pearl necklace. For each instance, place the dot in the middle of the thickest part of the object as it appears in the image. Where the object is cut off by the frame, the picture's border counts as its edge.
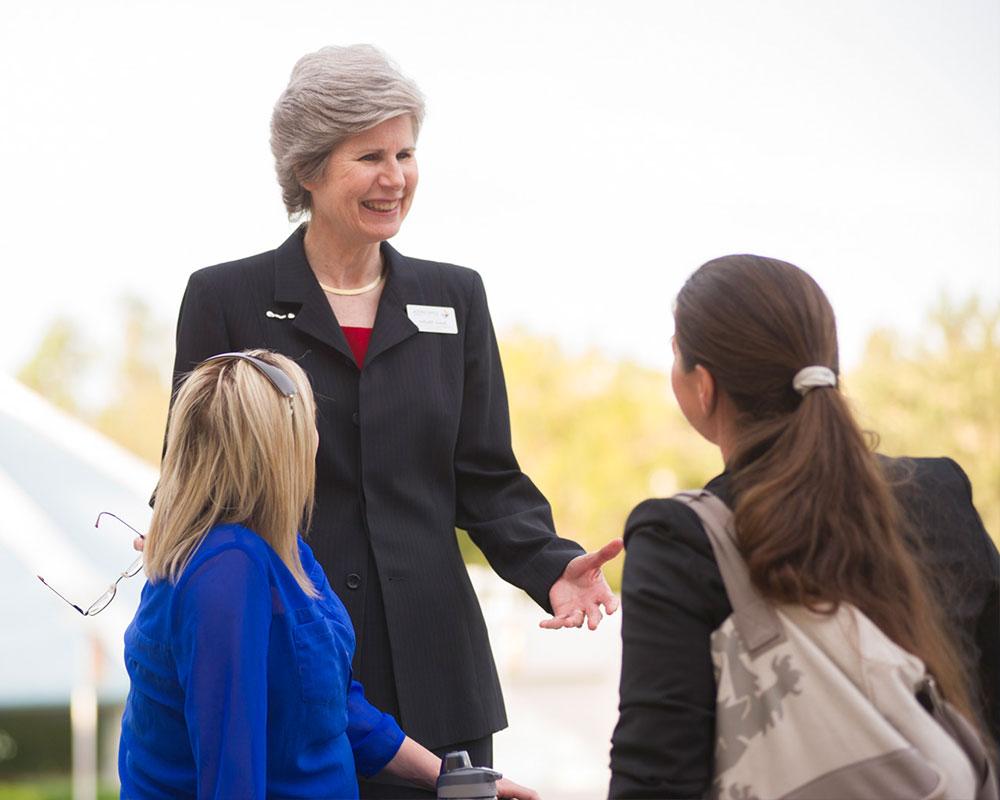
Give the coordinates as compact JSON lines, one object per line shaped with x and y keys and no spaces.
{"x":351,"y":292}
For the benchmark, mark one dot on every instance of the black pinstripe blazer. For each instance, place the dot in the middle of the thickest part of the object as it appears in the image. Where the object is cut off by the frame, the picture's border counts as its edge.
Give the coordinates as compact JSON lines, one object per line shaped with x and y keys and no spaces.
{"x":411,"y":446}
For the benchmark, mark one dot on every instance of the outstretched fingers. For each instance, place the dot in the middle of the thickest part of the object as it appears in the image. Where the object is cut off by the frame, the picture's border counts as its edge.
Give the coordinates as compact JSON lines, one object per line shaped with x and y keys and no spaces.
{"x":573,"y":619}
{"x":592,"y":562}
{"x":611,"y":549}
{"x":594,"y":616}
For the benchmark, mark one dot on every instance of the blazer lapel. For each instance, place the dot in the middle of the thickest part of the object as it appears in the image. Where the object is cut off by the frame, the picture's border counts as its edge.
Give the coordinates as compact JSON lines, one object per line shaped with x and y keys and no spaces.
{"x":392,"y":325}
{"x":295,"y":283}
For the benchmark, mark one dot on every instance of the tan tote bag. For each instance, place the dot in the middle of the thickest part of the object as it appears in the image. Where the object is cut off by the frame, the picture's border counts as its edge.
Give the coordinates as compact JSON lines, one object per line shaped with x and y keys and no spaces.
{"x":815,"y":707}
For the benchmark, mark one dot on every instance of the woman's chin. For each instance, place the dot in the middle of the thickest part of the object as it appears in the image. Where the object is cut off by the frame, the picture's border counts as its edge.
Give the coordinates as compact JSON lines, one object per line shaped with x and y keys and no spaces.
{"x":379,"y":233}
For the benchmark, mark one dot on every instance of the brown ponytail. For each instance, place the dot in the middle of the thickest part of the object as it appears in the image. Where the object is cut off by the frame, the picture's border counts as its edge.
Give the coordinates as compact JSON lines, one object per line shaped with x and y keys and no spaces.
{"x":816,"y":518}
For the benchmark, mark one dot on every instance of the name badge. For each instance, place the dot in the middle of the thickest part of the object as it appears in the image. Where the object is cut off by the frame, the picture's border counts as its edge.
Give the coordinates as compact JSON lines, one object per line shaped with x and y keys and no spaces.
{"x":433,"y":319}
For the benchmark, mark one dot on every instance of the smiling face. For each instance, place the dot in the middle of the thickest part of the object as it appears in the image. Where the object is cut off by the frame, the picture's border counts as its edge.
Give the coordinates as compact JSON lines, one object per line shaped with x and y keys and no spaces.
{"x":366,"y":189}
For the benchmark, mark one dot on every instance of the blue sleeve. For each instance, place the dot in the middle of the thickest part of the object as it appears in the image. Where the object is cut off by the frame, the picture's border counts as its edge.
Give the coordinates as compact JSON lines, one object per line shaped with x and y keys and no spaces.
{"x":222,"y":627}
{"x":374,"y":735}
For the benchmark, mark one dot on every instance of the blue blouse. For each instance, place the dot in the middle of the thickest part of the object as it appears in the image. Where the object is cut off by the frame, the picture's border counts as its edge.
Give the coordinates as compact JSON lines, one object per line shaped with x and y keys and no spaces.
{"x":241,"y":683}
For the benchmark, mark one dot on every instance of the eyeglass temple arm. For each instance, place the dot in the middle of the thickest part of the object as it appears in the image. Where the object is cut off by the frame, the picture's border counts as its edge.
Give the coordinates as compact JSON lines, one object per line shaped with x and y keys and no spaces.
{"x":61,"y":596}
{"x":97,"y":524}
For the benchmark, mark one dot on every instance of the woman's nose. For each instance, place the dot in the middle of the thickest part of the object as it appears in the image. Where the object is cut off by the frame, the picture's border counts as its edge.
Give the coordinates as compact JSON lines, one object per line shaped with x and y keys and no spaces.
{"x":392,"y":176}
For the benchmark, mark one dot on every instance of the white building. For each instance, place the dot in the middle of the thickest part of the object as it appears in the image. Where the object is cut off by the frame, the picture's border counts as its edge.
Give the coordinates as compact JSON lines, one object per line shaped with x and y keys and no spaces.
{"x":56,"y":474}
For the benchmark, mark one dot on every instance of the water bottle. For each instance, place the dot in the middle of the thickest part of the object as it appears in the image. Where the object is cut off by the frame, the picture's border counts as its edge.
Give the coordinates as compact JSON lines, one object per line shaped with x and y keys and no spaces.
{"x":459,"y":780}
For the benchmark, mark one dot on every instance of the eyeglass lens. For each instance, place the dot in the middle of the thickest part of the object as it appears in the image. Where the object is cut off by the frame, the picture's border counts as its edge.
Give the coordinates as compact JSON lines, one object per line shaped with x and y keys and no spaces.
{"x":130,"y":571}
{"x":102,"y":602}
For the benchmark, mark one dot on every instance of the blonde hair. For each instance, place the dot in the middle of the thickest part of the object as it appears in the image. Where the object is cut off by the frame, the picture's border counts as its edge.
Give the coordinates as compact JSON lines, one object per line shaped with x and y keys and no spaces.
{"x":238,"y":451}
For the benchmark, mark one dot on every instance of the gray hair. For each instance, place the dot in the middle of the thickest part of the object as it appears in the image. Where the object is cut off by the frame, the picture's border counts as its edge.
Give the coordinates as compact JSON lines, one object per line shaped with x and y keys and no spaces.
{"x":334,"y":93}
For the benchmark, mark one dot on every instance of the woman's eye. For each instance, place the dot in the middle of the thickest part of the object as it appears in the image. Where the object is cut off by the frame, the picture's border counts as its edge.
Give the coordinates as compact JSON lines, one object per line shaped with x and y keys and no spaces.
{"x":370,"y":157}
{"x":404,"y":155}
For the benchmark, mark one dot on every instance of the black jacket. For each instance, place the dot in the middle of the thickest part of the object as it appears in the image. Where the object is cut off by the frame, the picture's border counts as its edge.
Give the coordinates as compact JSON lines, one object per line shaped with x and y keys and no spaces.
{"x":673,"y":598}
{"x":411,"y":446}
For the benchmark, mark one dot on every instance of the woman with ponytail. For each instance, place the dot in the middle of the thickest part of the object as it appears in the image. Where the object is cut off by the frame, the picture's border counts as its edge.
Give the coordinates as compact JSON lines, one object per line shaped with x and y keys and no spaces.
{"x":820,"y":520}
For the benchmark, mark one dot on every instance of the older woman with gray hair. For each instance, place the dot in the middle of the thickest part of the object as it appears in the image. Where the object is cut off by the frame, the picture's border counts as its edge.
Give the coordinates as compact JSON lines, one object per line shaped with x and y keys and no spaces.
{"x":412,"y":408}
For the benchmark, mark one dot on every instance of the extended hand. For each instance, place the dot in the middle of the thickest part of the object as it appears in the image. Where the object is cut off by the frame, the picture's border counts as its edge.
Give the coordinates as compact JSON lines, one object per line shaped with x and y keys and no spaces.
{"x":581,"y":590}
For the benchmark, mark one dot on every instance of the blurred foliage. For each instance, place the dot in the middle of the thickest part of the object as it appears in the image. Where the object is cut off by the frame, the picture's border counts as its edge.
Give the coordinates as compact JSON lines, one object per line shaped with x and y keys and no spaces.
{"x":58,"y":365}
{"x":939,"y":395}
{"x":48,"y":788}
{"x":598,"y":434}
{"x":35,"y":748}
{"x":136,"y":413}
{"x":134,"y":387}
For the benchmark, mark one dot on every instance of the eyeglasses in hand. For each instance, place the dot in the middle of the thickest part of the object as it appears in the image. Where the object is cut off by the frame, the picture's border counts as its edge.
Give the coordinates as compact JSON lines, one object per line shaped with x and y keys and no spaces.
{"x":130,"y":571}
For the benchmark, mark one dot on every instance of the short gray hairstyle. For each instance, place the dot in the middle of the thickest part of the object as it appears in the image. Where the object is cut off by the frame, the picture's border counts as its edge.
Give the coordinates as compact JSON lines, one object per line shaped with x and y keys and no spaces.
{"x":334,"y":93}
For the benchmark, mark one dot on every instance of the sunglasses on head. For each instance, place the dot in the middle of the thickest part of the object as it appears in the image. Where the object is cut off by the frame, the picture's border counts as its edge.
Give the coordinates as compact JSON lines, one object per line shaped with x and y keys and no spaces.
{"x":278,"y":377}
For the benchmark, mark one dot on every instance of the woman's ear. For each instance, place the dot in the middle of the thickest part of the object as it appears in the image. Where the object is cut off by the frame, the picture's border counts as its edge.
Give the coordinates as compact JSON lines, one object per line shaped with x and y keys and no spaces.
{"x":312,"y":181}
{"x":705,"y":385}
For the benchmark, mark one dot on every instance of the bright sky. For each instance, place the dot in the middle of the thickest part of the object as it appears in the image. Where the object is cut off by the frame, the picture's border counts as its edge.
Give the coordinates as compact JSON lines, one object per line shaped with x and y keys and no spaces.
{"x":584,"y":156}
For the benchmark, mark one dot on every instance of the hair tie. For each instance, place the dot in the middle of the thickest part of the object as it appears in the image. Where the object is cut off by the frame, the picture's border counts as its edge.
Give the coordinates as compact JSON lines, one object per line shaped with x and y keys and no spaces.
{"x":809,"y":378}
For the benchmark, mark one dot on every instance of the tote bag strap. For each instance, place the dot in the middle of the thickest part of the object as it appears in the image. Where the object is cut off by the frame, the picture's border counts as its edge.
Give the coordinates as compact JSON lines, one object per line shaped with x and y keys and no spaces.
{"x":755,"y":619}
{"x":967,"y":738}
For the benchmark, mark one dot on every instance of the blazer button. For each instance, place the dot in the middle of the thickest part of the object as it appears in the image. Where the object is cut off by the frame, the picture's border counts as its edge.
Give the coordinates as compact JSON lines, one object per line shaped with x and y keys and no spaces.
{"x":353,"y":580}
{"x":356,"y":419}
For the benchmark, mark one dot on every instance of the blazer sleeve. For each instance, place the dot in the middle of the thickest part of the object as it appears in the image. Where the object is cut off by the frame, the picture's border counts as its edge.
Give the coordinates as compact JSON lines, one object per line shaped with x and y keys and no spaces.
{"x":672,"y":600}
{"x":201,"y":326}
{"x":962,"y":564}
{"x":201,"y":332}
{"x":504,"y":513}
{"x":987,"y":610}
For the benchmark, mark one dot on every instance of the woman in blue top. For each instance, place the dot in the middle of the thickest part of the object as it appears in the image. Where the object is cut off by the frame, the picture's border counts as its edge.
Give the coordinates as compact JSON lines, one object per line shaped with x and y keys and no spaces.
{"x":240,"y":653}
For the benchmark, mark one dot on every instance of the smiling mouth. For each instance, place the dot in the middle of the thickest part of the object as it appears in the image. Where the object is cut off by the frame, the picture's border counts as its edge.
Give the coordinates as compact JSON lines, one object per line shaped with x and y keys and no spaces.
{"x":381,"y":205}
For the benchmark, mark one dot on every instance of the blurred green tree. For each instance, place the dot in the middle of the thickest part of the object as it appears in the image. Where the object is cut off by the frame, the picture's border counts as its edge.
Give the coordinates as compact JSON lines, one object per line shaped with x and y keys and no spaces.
{"x":598,"y":435}
{"x":132,"y":410}
{"x":59,"y":365}
{"x":937,"y":395}
{"x":135,"y":412}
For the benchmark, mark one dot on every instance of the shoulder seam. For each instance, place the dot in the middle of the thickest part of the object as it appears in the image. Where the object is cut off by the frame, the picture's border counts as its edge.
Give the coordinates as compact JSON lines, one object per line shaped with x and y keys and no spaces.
{"x":202,"y":558}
